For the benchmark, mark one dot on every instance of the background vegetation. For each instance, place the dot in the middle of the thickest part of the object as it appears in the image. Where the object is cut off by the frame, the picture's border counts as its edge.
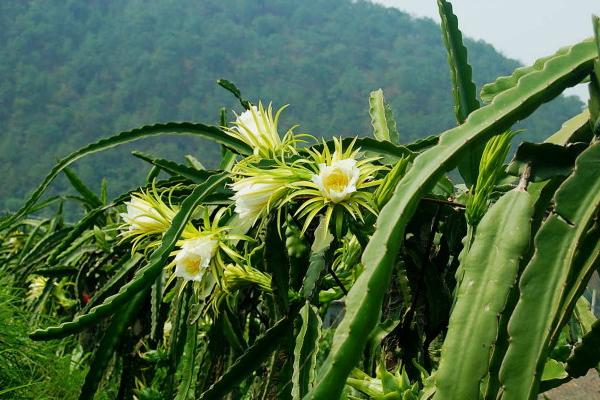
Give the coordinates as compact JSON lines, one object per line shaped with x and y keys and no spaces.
{"x":75,"y":71}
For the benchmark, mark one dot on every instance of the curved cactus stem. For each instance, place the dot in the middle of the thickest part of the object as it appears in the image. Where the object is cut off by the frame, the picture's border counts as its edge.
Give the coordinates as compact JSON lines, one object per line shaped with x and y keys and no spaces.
{"x":490,"y":271}
{"x":305,"y":351}
{"x":490,"y":90}
{"x":382,"y":119}
{"x":463,"y":88}
{"x":544,"y":280}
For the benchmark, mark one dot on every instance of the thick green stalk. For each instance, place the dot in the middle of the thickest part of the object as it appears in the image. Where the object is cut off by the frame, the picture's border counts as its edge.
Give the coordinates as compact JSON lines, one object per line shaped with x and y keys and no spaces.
{"x":542,"y":193}
{"x":382,"y":119}
{"x":545,"y":278}
{"x":490,"y":270}
{"x":305,"y":351}
{"x":463,"y":88}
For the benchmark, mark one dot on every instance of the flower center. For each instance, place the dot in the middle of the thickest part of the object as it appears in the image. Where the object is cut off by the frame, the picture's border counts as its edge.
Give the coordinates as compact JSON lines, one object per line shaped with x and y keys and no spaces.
{"x":192,"y":265}
{"x":336,"y":180}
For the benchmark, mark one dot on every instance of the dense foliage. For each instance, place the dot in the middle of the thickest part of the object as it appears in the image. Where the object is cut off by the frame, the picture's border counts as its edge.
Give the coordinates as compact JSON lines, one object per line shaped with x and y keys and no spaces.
{"x":304,"y":268}
{"x":75,"y":71}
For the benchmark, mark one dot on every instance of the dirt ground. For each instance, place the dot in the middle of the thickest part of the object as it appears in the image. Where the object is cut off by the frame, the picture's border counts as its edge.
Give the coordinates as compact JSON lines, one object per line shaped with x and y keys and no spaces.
{"x":584,"y":388}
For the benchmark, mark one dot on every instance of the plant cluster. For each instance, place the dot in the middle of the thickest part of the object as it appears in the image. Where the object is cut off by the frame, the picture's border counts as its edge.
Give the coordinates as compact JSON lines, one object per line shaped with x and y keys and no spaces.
{"x":353,"y":268}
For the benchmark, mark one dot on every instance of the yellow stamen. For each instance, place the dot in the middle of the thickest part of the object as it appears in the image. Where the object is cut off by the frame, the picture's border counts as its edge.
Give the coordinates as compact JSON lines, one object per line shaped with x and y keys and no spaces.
{"x":192,"y":265}
{"x":336,"y":180}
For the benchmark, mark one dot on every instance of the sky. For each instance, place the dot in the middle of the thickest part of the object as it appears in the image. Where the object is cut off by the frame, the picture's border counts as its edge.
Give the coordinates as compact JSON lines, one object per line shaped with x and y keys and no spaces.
{"x":521,"y":29}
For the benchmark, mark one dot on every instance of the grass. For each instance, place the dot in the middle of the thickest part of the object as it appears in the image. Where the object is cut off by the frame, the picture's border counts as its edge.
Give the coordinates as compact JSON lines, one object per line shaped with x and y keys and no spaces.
{"x":34,"y":370}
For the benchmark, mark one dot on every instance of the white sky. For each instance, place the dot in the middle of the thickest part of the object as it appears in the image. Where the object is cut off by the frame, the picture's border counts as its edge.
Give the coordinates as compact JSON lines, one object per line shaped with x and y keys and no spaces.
{"x":520,"y":29}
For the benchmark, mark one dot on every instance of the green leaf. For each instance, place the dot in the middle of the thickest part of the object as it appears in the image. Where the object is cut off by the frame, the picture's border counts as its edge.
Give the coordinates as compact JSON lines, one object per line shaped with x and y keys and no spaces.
{"x":594,"y":86}
{"x":232,"y":332}
{"x":553,"y":370}
{"x":298,"y":253}
{"x":156,"y":296}
{"x":305,"y":351}
{"x":228,"y":160}
{"x":103,"y":190}
{"x":108,"y":345}
{"x":205,"y":131}
{"x":463,"y":88}
{"x":180,"y":311}
{"x":29,"y":261}
{"x":584,"y":315}
{"x":194,"y":162}
{"x":231,"y":88}
{"x":365,"y":298}
{"x":153,"y":174}
{"x":145,"y":276}
{"x":389,"y":383}
{"x":384,"y":191}
{"x":491,"y":167}
{"x":586,"y":262}
{"x":26,"y":251}
{"x":541,"y":194}
{"x":573,"y":130}
{"x":545,"y":278}
{"x":594,"y":101}
{"x":382,"y":118}
{"x":78,"y":185}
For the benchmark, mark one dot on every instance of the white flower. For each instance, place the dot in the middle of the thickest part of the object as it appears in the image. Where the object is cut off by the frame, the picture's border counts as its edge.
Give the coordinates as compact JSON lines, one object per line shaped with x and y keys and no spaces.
{"x":257,"y":127}
{"x":338,"y":180}
{"x":251,"y":198}
{"x":194,"y":257}
{"x":252,"y":124}
{"x":142,"y":216}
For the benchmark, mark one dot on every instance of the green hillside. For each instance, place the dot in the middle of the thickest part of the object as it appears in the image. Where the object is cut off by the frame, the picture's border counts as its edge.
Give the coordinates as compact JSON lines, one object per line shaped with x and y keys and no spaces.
{"x":75,"y":71}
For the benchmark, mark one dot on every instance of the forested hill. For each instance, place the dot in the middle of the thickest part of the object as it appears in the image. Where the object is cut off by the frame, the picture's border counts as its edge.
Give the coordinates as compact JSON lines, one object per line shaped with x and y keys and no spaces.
{"x":73,"y":71}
